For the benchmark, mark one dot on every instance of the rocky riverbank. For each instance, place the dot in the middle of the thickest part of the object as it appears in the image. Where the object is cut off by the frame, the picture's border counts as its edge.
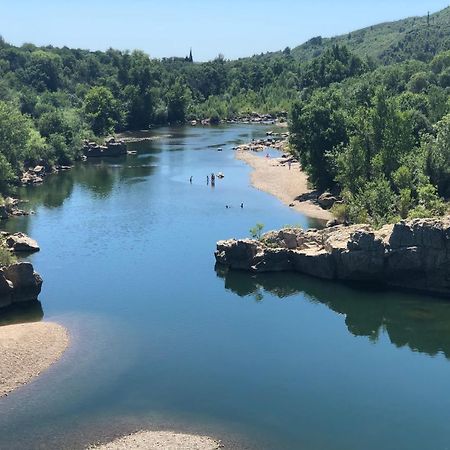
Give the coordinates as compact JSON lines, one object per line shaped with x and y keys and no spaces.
{"x":250,"y":118}
{"x":10,"y":209}
{"x":37,"y":174}
{"x":410,"y":254}
{"x":111,"y":147}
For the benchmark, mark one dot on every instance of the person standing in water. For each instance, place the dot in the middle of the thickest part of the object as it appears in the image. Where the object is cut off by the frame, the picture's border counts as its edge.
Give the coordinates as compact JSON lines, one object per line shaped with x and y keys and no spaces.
{"x":190,"y":180}
{"x":207,"y":180}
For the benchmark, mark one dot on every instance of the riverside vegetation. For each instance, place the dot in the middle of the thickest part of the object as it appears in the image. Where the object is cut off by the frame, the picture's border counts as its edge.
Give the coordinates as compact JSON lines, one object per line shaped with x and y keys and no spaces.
{"x":369,"y":111}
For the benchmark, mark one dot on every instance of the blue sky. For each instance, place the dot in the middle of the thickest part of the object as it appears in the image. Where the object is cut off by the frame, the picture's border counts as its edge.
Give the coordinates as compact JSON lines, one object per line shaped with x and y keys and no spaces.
{"x":234,"y":28}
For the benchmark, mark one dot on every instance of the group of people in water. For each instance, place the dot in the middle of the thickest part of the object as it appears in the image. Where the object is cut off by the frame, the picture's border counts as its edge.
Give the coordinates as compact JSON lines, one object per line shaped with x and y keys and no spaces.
{"x":212,"y":179}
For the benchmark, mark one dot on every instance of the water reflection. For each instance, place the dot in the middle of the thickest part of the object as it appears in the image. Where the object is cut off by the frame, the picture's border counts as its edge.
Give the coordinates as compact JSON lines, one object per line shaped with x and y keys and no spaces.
{"x":21,"y":313}
{"x":50,"y":194}
{"x":421,"y":323}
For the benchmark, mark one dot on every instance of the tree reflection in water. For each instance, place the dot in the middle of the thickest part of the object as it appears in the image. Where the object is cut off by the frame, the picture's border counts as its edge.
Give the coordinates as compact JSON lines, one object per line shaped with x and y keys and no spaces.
{"x":420,"y":322}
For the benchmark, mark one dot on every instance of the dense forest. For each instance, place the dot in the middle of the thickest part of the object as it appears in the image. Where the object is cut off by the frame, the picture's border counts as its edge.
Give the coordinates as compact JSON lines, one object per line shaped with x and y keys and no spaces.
{"x":369,"y":112}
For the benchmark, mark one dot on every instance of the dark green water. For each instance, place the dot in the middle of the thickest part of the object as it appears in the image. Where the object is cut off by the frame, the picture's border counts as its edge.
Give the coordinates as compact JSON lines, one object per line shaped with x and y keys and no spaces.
{"x":162,"y":339}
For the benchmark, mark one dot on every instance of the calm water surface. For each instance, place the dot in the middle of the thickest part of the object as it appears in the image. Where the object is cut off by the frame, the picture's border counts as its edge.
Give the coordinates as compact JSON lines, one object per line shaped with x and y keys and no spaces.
{"x":162,"y":339}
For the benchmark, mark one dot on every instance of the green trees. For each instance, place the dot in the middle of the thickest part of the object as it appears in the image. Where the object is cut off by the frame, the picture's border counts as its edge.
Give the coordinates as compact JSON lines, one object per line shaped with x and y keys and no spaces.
{"x":335,"y":65}
{"x":101,"y":110}
{"x":256,"y":231}
{"x":140,"y":107}
{"x":15,"y":135}
{"x":177,"y":102}
{"x":318,"y":126}
{"x":43,"y":70}
{"x":373,"y":134}
{"x":437,"y":151}
{"x":371,"y":137}
{"x":21,"y":143}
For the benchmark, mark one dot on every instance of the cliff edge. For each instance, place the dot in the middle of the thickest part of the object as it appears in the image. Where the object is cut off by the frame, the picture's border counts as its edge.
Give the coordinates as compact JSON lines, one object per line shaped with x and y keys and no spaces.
{"x":410,"y":254}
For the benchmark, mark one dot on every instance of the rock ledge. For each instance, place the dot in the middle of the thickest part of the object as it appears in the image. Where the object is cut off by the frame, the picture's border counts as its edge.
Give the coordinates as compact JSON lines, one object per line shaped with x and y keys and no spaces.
{"x":410,"y":254}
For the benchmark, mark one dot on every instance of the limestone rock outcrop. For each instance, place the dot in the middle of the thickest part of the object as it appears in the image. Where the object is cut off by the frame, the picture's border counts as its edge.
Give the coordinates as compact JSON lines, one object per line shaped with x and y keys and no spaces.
{"x":410,"y":254}
{"x":21,"y":243}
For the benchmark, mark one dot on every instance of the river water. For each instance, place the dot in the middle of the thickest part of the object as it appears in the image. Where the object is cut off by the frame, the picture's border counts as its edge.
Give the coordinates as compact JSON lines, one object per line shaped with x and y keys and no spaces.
{"x":160,"y":339}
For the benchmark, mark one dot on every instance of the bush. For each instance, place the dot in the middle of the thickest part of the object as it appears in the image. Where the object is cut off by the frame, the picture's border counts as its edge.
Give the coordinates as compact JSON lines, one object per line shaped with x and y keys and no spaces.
{"x":256,"y":231}
{"x":6,"y":257}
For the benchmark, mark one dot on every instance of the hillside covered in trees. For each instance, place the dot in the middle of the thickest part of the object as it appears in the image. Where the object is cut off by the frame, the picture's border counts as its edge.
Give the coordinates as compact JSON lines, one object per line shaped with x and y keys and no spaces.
{"x":369,"y":111}
{"x":381,"y":139}
{"x":418,"y":38}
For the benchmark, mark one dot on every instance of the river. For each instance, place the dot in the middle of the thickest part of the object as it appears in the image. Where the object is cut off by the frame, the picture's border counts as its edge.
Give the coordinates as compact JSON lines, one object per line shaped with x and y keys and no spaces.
{"x":161,"y":339}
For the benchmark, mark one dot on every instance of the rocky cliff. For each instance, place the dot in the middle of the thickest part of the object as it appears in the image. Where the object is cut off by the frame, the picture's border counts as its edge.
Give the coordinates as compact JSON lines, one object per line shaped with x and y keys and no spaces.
{"x":410,"y":254}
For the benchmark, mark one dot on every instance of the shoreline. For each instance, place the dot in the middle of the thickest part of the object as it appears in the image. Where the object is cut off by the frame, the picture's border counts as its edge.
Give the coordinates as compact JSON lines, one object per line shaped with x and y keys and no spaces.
{"x":27,"y":350}
{"x":149,"y":440}
{"x":289,"y":185}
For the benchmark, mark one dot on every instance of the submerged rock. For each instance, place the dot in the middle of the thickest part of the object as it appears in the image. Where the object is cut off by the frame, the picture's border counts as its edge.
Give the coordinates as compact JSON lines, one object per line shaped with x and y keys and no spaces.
{"x":411,"y":254}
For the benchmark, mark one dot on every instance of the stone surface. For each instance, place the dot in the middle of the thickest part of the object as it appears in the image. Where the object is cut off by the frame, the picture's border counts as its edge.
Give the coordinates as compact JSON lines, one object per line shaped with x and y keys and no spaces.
{"x":411,"y":254}
{"x":25,"y":282}
{"x":6,"y":289}
{"x":20,"y":242}
{"x":326,"y":200}
{"x":111,"y":148}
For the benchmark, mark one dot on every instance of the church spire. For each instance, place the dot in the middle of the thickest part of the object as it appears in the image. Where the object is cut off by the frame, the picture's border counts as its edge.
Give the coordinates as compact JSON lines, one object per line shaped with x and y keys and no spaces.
{"x":190,"y":56}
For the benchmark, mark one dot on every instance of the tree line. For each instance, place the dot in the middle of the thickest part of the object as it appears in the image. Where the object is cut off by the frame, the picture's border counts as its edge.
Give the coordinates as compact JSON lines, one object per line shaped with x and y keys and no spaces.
{"x":378,"y":135}
{"x":52,"y":98}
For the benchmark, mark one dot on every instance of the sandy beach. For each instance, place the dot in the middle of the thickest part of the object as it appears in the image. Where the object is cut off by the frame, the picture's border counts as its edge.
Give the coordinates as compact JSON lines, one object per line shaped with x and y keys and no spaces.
{"x":26,"y":350}
{"x":149,"y":440}
{"x":289,"y":186}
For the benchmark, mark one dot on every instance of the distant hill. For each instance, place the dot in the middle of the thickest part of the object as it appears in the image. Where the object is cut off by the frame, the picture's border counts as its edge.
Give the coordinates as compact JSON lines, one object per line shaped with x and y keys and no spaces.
{"x":413,"y":38}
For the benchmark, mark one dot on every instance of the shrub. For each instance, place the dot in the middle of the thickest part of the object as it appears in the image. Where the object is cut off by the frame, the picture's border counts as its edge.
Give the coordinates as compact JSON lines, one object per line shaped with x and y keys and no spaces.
{"x":256,"y":231}
{"x":6,"y":257}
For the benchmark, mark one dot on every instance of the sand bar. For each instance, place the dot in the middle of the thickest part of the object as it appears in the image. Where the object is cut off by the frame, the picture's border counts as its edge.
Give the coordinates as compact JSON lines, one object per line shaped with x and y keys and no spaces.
{"x":270,"y":176}
{"x":28,"y":349}
{"x":149,"y":440}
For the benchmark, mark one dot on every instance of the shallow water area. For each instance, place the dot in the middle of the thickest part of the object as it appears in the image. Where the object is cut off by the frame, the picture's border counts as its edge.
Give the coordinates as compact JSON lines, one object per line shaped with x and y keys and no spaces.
{"x":160,"y":339}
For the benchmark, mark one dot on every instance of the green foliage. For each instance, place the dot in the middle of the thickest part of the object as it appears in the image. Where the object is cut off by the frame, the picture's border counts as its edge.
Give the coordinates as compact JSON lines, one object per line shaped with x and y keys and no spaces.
{"x":389,"y":42}
{"x":256,"y":231}
{"x":177,"y":101}
{"x":372,"y":138}
{"x":369,"y":110}
{"x":317,"y":127}
{"x":43,"y":70}
{"x":6,"y":257}
{"x":101,"y":110}
{"x":437,"y":151}
{"x":419,"y":82}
